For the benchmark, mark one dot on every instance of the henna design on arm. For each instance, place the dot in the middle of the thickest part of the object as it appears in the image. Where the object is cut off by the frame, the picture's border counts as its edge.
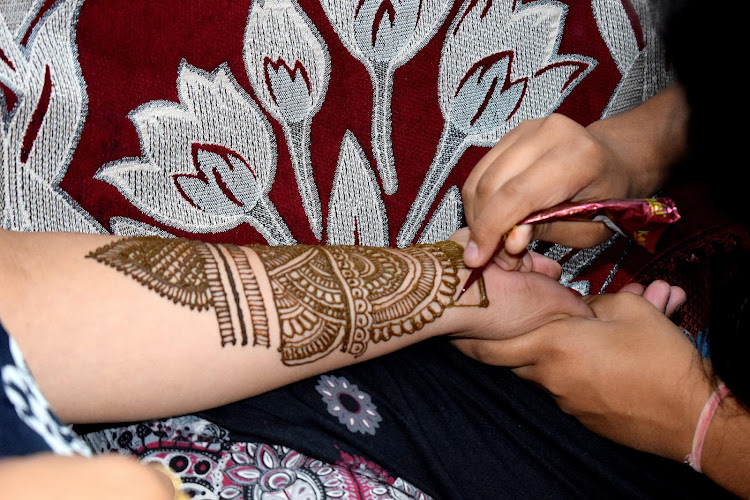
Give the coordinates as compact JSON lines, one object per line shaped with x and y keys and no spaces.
{"x":326,"y":297}
{"x":198,"y":275}
{"x":348,"y":296}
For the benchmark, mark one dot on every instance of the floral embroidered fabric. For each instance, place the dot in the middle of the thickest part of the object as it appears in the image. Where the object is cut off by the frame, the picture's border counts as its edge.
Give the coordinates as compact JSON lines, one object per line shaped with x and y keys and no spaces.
{"x":211,"y":465}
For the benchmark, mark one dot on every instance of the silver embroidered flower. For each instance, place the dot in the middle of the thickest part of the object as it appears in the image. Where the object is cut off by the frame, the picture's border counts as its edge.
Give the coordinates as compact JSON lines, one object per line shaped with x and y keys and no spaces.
{"x":208,"y":162}
{"x":352,"y":407}
{"x":499,"y":66}
{"x":383,"y":35}
{"x":288,"y":66}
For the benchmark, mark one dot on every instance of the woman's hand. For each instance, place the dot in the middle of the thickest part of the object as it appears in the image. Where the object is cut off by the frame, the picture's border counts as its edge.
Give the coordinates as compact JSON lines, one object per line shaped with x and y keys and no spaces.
{"x":628,"y":374}
{"x":518,"y":302}
{"x":547,"y":161}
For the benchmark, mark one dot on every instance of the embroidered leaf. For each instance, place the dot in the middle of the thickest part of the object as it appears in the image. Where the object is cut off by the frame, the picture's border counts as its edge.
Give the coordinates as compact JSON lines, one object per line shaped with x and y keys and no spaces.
{"x":43,"y":130}
{"x":14,"y":13}
{"x":383,"y":35}
{"x":123,"y":226}
{"x":49,"y":208}
{"x":446,"y":220}
{"x":621,"y":31}
{"x":356,"y":212}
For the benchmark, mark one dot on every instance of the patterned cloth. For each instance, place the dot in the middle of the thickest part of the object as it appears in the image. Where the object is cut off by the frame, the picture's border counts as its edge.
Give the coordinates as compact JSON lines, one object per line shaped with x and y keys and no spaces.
{"x":336,"y":122}
{"x":212,"y":465}
{"x":27,"y":422}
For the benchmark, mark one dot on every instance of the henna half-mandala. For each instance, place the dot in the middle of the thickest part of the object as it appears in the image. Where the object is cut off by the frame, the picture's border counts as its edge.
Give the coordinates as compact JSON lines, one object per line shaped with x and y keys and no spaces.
{"x":347,"y":296}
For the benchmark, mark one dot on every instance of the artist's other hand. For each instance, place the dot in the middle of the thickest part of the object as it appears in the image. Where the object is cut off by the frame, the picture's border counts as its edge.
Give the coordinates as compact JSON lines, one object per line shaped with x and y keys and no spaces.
{"x":629,"y":374}
{"x":547,"y":161}
{"x":518,"y":302}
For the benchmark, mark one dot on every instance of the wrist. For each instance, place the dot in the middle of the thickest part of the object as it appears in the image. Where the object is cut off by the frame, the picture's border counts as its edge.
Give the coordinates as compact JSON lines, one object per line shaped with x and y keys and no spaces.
{"x":705,"y":420}
{"x":647,"y":141}
{"x":692,"y":395}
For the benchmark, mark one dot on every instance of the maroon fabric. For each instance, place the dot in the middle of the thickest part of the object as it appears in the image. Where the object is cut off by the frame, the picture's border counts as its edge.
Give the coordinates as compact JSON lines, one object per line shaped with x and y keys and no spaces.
{"x":130,"y":52}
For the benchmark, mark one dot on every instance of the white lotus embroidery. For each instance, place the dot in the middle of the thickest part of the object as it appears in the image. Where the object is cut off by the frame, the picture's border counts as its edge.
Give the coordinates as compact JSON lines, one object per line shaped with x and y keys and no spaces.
{"x":383,"y":35}
{"x":38,"y":136}
{"x":207,"y":163}
{"x":500,"y":65}
{"x":288,"y":65}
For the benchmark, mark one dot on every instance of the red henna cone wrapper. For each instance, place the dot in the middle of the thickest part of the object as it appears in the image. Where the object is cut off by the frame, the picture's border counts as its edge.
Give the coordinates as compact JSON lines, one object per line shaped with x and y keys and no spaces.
{"x":642,"y":220}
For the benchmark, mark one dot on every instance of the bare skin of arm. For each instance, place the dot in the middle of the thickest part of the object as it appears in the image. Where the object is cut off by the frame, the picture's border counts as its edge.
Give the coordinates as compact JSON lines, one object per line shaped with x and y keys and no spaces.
{"x":550,"y":160}
{"x":118,"y":329}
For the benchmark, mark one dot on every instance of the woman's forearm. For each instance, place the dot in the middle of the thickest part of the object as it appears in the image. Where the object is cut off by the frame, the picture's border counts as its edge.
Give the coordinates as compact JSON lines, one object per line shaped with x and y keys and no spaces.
{"x":128,"y":328}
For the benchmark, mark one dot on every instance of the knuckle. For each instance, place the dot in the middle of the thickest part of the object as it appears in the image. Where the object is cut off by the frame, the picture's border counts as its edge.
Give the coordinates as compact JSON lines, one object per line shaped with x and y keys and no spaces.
{"x":556,"y":123}
{"x":512,"y":190}
{"x":525,"y":125}
{"x":484,"y":189}
{"x":467,"y":191}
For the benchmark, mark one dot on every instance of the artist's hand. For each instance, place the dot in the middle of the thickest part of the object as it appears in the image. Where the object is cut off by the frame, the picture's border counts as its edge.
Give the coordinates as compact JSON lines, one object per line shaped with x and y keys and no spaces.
{"x":629,"y":374}
{"x":547,"y":161}
{"x":537,"y":165}
{"x":518,"y":302}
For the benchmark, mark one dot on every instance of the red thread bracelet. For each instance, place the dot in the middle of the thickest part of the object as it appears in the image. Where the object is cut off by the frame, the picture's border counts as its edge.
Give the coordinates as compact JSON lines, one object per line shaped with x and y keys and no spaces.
{"x":704,"y":421}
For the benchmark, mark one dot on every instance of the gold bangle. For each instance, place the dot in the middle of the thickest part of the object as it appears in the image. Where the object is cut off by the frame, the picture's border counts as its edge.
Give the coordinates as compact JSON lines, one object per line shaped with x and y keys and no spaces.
{"x":179,"y":492}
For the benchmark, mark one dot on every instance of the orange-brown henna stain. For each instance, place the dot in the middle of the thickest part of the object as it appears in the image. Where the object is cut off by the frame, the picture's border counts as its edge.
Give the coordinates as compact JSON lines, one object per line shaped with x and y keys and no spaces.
{"x":326,"y":297}
{"x":344,"y":297}
{"x":195,"y":274}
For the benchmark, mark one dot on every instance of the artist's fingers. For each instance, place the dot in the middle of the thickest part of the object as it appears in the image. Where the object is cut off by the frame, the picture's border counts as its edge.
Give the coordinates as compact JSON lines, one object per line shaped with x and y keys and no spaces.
{"x":635,"y":288}
{"x":487,"y":162}
{"x":572,"y":234}
{"x":517,"y":351}
{"x":676,"y":299}
{"x":544,"y":265}
{"x":660,"y":294}
{"x":517,"y":259}
{"x":517,"y":240}
{"x":499,"y":203}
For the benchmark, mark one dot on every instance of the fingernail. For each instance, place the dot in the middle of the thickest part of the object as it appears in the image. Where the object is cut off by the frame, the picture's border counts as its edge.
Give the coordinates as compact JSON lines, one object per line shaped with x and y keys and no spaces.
{"x":505,"y":266}
{"x":527,"y":263}
{"x":471,"y":252}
